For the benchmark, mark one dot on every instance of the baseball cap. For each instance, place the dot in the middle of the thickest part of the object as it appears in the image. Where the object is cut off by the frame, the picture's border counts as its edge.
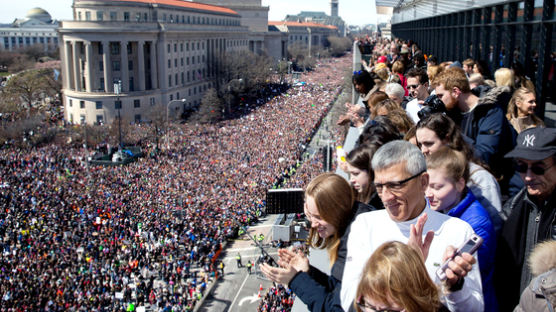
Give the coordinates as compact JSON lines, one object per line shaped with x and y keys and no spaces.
{"x":534,"y":144}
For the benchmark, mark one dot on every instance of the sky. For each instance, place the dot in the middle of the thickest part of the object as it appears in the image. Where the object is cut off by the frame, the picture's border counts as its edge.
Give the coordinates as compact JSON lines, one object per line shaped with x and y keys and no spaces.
{"x":354,"y":12}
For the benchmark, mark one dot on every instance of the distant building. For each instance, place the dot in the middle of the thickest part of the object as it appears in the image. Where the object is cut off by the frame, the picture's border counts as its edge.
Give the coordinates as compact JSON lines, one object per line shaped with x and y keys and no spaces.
{"x":321,"y":18}
{"x":306,"y":34}
{"x":158,"y":51}
{"x":37,"y":28}
{"x":262,"y":40}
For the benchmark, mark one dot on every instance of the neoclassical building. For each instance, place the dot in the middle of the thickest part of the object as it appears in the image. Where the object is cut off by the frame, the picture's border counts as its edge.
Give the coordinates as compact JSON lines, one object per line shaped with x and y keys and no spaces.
{"x":37,"y":28}
{"x":306,"y":34}
{"x":139,"y":57}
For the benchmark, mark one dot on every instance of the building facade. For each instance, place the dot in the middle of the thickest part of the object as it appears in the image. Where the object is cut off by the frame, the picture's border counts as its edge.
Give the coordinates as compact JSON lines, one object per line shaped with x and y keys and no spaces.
{"x":37,"y":28}
{"x":134,"y":58}
{"x":306,"y":34}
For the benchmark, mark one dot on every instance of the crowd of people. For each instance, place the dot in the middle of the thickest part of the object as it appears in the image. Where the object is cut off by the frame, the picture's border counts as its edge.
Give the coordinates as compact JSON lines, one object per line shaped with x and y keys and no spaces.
{"x":81,"y":237}
{"x":277,"y":299}
{"x":448,"y":156}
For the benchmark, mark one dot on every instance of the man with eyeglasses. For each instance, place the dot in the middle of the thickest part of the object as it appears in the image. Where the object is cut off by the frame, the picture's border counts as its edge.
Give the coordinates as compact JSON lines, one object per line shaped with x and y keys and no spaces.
{"x":531,"y":213}
{"x":400,"y":180}
{"x":418,"y":89}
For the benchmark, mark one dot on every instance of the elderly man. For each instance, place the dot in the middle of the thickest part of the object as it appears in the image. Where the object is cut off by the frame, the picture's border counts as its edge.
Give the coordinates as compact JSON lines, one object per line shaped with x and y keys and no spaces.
{"x":531,"y":213}
{"x":400,"y":180}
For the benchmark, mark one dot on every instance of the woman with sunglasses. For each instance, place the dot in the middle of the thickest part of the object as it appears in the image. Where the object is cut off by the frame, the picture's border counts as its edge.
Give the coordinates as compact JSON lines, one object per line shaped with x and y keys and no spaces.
{"x":330,"y":206}
{"x":447,"y":192}
{"x":395,"y":279}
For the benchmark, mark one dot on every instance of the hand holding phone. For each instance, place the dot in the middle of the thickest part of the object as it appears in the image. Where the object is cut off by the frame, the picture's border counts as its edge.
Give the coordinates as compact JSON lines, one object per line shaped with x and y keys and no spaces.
{"x":470,"y":246}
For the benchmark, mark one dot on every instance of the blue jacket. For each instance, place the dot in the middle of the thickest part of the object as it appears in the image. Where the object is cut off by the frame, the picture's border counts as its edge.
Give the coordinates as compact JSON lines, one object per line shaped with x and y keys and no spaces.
{"x":472,"y":212}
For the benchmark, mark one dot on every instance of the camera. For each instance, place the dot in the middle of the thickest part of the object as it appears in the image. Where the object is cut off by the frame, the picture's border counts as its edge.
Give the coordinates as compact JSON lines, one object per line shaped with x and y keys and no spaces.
{"x":431,"y":106}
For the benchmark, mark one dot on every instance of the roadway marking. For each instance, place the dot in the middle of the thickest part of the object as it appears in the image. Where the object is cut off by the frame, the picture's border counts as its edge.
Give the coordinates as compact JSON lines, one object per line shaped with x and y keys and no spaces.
{"x":253,"y":298}
{"x":239,"y":291}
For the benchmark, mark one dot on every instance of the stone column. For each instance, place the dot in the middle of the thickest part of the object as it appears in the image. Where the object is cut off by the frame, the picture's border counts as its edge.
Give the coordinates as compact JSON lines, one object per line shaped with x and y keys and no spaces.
{"x":68,"y":75}
{"x":154,"y":67}
{"x":76,"y":66}
{"x":141,"y":65}
{"x":107,"y":67}
{"x":89,"y":68}
{"x":123,"y":66}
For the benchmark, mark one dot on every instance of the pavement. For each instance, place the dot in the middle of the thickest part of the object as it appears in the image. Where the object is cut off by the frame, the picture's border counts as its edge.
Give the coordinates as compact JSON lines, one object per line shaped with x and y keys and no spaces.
{"x":237,"y":290}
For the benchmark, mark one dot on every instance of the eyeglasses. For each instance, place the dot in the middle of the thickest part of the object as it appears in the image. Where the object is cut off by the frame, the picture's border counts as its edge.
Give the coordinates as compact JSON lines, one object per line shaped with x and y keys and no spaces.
{"x":409,"y":87}
{"x":370,"y":308}
{"x":535,"y":168}
{"x":394,"y":186}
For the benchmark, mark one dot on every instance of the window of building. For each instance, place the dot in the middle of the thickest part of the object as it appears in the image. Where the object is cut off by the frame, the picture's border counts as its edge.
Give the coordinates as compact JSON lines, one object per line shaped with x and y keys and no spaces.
{"x":116,"y":65}
{"x":198,"y":45}
{"x":98,"y":104}
{"x":81,"y":104}
{"x":82,"y":119}
{"x":113,"y":16}
{"x":182,"y":78}
{"x":187,"y":60}
{"x":145,"y":17}
{"x":193,"y":60}
{"x":100,"y":49}
{"x":129,"y":48}
{"x":152,"y":101}
{"x":176,"y":78}
{"x":138,"y":16}
{"x":115,"y":48}
{"x":79,"y":15}
{"x":181,"y":61}
{"x":71,"y":103}
{"x":137,"y":118}
{"x":181,"y":47}
{"x":188,"y":20}
{"x":171,"y":18}
{"x":164,"y":17}
{"x":100,"y":120}
{"x":203,"y":58}
{"x":169,"y":80}
{"x":192,"y":46}
{"x":188,"y":77}
{"x":126,"y":16}
{"x":187,"y":46}
{"x":131,"y":84}
{"x":118,"y":104}
{"x":175,"y":62}
{"x":101,"y":84}
{"x":171,"y":97}
{"x":169,"y":63}
{"x":88,"y":16}
{"x":129,"y":65}
{"x":100,"y":66}
{"x":168,"y":48}
{"x":137,"y":103}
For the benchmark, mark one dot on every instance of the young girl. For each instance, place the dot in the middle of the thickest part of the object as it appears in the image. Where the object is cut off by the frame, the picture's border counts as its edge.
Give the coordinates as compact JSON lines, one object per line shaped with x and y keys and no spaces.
{"x":447,"y":192}
{"x":521,"y":110}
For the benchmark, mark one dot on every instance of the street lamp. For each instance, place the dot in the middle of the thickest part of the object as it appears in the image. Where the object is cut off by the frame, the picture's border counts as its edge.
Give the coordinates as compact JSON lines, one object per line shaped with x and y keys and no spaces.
{"x":168,"y":120}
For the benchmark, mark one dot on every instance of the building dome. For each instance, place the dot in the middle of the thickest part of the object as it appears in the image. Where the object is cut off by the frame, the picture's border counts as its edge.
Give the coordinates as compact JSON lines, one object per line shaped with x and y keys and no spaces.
{"x":39,"y":14}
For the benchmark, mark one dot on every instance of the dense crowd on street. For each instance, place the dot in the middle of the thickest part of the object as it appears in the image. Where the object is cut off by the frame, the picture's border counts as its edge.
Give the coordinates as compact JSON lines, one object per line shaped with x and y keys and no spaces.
{"x":90,"y":238}
{"x":449,"y":154}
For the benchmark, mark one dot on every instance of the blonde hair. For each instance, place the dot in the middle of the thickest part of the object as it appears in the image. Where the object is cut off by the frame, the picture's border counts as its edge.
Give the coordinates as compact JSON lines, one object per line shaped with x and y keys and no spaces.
{"x":519,"y":96}
{"x":396,"y":273}
{"x":398,"y":67}
{"x":476,"y":78}
{"x":334,"y":199}
{"x":504,"y":77}
{"x":454,"y":163}
{"x":433,"y":71}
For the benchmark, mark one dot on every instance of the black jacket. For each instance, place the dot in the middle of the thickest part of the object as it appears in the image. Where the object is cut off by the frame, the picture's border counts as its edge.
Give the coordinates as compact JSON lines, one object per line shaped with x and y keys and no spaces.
{"x":527,"y":224}
{"x":319,"y":291}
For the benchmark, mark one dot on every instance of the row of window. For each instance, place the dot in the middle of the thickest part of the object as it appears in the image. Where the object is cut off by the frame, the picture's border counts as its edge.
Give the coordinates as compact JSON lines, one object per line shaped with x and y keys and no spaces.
{"x":144,"y":17}
{"x":29,"y":40}
{"x":191,"y":76}
{"x":186,"y":61}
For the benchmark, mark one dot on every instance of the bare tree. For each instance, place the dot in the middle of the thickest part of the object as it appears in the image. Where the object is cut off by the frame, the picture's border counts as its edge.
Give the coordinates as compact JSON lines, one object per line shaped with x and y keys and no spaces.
{"x":339,"y":45}
{"x":31,"y":86}
{"x":211,"y":107}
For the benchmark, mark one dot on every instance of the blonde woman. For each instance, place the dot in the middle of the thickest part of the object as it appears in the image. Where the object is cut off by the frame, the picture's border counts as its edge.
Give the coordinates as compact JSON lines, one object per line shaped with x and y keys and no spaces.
{"x":395,"y":279}
{"x":521,"y":110}
{"x":330,"y":206}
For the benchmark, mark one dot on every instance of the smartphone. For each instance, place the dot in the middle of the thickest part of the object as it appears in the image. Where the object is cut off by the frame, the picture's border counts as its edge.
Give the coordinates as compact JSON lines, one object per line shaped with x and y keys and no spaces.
{"x":470,"y":246}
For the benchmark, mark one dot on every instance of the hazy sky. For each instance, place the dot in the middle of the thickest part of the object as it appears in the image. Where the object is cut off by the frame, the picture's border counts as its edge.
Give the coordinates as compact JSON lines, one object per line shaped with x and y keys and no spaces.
{"x":354,"y":12}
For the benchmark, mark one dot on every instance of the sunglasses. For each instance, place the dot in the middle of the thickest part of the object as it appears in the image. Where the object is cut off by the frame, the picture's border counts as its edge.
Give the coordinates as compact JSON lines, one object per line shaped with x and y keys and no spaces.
{"x":535,"y":168}
{"x":409,"y":87}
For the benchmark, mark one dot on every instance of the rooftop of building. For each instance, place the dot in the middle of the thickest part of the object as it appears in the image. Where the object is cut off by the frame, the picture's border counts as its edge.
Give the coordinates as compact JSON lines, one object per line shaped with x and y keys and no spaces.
{"x":300,"y":24}
{"x":182,"y":4}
